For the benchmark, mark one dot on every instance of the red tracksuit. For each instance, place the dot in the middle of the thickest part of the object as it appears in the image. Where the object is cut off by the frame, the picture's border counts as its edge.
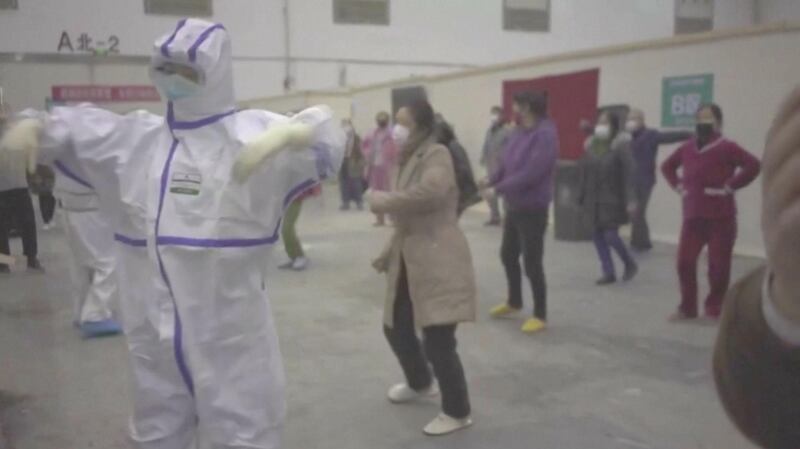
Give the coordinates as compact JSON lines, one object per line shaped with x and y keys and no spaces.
{"x":709,"y":176}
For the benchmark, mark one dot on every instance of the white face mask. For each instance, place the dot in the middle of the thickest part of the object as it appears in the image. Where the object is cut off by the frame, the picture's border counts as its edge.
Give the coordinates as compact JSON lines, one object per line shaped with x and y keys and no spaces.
{"x":495,"y":119}
{"x":400,"y":134}
{"x":602,"y":131}
{"x":632,"y":126}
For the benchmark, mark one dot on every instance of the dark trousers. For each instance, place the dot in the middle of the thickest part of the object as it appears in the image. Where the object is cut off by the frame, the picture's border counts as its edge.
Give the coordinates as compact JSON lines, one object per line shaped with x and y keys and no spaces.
{"x":494,"y":208}
{"x":439,"y":349}
{"x":523,"y":234}
{"x":16,"y":207}
{"x":604,"y":240}
{"x":47,"y":206}
{"x":351,"y":190}
{"x":720,"y":236}
{"x":640,"y":230}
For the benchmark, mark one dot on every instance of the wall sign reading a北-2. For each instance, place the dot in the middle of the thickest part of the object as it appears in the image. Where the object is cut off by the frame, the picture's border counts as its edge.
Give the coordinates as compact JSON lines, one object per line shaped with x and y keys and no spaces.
{"x":682,"y":96}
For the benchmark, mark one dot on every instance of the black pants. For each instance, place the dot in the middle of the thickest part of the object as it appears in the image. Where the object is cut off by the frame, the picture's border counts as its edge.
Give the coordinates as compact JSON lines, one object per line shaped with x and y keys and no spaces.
{"x":440,"y":350}
{"x":16,"y":207}
{"x":47,"y":206}
{"x":640,"y":231}
{"x":523,"y":234}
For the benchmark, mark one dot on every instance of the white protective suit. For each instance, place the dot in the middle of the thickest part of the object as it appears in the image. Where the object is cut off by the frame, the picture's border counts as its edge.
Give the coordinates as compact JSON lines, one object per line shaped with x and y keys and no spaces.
{"x":91,"y":241}
{"x":192,"y":245}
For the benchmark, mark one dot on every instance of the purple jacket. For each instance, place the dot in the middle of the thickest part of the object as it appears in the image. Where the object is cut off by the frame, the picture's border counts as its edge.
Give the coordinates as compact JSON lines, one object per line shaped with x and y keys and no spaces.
{"x":525,"y":175}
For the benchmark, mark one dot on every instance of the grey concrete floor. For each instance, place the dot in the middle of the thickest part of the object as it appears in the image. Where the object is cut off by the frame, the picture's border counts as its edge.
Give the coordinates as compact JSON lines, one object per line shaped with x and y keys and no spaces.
{"x":610,"y":373}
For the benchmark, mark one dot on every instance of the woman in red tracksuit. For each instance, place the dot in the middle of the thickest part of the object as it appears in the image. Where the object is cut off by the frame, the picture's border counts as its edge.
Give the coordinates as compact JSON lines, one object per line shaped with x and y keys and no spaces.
{"x":712,"y":169}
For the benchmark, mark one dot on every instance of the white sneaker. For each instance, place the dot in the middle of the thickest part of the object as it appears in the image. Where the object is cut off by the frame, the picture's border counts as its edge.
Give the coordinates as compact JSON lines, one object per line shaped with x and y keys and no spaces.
{"x":443,"y":424}
{"x":300,"y":264}
{"x":402,"y":393}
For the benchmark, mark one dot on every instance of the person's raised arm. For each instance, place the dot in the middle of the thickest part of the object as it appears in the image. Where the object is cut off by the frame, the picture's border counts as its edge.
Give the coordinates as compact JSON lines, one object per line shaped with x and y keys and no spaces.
{"x":670,"y":137}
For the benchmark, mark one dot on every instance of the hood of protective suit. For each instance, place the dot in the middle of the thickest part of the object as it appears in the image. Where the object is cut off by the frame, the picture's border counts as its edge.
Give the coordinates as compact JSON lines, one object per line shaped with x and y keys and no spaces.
{"x":205,"y":47}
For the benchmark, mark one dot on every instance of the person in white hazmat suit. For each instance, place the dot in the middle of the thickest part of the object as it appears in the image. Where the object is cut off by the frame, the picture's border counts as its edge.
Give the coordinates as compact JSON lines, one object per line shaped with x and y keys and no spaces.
{"x":90,"y":237}
{"x":196,"y":200}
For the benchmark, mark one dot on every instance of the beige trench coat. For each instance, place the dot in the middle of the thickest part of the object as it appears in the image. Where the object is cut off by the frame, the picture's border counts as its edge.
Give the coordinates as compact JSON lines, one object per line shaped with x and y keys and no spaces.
{"x":441,"y":278}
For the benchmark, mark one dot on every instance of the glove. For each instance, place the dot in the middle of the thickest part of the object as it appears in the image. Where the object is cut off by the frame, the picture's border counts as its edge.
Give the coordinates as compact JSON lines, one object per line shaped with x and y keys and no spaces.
{"x":277,"y":138}
{"x":24,"y":136}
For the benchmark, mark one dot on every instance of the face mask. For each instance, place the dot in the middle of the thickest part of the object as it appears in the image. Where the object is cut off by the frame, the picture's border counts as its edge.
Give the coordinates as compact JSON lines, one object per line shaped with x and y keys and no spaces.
{"x":632,"y":126}
{"x":704,"y":131}
{"x":400,"y":134}
{"x":602,"y":131}
{"x":175,"y":87}
{"x":382,"y":123}
{"x":495,"y":119}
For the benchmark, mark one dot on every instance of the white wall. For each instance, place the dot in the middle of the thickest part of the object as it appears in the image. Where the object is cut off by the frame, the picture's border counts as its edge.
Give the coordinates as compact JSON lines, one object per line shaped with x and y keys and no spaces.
{"x":778,"y":10}
{"x":749,"y":84}
{"x":425,"y":37}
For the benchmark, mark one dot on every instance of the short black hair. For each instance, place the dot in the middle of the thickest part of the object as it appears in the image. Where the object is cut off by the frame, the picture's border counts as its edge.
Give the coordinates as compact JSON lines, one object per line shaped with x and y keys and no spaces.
{"x":536,"y":102}
{"x":497,"y":109}
{"x":444,"y":133}
{"x":422,"y":113}
{"x":715,"y":109}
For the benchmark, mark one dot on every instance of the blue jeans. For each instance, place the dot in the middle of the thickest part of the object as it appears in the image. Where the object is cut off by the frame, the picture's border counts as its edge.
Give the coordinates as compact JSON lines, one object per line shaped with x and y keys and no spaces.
{"x":604,"y":241}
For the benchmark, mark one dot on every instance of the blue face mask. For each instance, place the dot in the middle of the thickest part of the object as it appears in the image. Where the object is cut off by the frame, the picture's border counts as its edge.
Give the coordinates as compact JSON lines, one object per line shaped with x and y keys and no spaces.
{"x":175,"y":87}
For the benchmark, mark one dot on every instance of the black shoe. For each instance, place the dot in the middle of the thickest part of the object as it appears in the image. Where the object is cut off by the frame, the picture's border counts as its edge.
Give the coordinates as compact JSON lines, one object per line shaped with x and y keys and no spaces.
{"x":606,"y":280}
{"x":35,"y":265}
{"x":630,"y":272}
{"x":4,"y":269}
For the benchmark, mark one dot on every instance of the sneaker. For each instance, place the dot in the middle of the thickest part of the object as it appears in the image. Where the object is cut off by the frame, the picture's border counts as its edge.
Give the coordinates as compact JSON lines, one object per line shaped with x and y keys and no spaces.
{"x":286,"y":266}
{"x":533,"y":325}
{"x":402,"y":393}
{"x":503,"y":311}
{"x":606,"y":280}
{"x":630,"y":272}
{"x":35,"y":265}
{"x":443,"y":424}
{"x":300,"y":264}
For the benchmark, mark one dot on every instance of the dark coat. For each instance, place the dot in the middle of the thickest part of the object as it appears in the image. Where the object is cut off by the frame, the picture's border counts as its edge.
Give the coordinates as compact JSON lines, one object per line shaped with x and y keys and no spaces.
{"x":607,"y":183}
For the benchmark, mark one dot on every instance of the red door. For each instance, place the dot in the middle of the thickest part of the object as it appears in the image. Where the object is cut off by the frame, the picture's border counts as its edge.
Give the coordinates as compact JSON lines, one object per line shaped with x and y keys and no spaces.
{"x":571,"y":97}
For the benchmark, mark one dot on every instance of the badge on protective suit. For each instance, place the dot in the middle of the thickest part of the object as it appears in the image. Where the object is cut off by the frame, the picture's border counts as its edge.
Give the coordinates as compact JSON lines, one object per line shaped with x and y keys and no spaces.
{"x":186,"y":184}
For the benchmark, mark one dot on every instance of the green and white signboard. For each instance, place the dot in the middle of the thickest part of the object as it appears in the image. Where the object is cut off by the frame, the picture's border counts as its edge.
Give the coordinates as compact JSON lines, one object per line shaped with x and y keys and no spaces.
{"x":682,"y":96}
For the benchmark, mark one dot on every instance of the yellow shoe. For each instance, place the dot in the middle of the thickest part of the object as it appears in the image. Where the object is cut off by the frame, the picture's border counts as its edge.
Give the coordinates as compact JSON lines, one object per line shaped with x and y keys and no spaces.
{"x":533,"y":325}
{"x":502,"y":311}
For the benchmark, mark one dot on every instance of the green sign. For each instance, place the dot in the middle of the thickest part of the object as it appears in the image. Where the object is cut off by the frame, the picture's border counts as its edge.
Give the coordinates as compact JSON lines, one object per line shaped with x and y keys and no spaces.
{"x":682,"y":96}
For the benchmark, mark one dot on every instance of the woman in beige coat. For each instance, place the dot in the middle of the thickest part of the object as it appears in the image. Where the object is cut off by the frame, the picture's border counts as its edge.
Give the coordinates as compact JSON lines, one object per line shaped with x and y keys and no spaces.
{"x":431,"y":282}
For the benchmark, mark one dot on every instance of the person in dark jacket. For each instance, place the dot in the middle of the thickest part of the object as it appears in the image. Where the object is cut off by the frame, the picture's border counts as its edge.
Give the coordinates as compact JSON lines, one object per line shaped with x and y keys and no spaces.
{"x":465,"y":179}
{"x":644,"y":147}
{"x":41,"y":184}
{"x":608,"y":194}
{"x":351,"y":175}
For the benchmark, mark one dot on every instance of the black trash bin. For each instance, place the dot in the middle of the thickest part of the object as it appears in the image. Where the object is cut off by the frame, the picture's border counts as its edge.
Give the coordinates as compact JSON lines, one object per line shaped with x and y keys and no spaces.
{"x":570,"y":222}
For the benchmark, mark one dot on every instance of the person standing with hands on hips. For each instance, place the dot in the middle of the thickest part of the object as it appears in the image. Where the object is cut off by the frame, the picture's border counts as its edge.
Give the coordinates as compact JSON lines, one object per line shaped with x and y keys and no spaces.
{"x":712,"y":168}
{"x":525,"y":181}
{"x":644,"y":148}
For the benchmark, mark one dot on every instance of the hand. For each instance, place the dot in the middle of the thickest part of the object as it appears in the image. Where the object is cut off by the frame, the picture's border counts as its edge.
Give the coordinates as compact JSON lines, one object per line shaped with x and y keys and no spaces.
{"x":780,"y":216}
{"x":277,"y":138}
{"x":489,"y":194}
{"x":381,"y":264}
{"x":680,"y":190}
{"x":483,"y":183}
{"x":376,"y":200}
